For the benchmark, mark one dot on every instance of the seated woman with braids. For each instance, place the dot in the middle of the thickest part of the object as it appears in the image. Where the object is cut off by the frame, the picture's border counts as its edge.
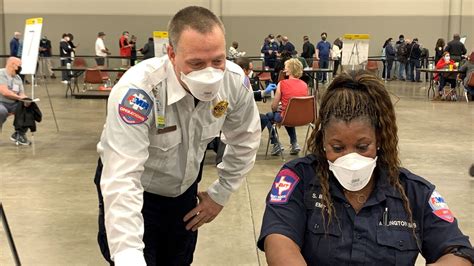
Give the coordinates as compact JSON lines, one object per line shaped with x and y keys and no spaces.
{"x":350,"y":202}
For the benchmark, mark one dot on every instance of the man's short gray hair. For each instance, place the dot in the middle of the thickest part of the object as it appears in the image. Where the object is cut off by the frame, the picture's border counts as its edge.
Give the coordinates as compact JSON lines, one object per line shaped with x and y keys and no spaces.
{"x":197,"y":18}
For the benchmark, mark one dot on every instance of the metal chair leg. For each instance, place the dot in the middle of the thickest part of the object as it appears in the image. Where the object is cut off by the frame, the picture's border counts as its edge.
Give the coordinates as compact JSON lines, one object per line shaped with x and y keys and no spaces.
{"x":268,"y":144}
{"x":310,"y":125}
{"x":278,"y":141}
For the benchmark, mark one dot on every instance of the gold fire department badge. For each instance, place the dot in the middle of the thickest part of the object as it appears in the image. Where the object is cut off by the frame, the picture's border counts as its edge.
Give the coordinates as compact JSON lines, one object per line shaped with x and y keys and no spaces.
{"x":219,"y":109}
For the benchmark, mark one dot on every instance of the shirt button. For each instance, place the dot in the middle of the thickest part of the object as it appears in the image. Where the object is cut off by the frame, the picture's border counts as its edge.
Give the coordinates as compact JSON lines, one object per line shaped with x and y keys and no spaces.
{"x":400,"y":243}
{"x":316,"y":226}
{"x":358,"y":236}
{"x":347,"y":205}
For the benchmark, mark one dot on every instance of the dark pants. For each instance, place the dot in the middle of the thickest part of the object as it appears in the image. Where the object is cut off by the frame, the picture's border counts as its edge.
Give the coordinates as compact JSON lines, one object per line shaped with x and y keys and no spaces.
{"x":443,"y":81}
{"x":387,"y":68}
{"x":323,"y":63}
{"x":276,"y":117}
{"x":100,"y":61}
{"x":167,"y":242}
{"x":64,"y":74}
{"x":5,"y":109}
{"x":336,"y":66}
{"x":414,"y":68}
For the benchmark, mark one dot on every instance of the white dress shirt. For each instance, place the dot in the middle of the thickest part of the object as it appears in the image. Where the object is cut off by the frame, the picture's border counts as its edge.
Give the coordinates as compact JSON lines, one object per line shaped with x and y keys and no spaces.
{"x":136,"y":158}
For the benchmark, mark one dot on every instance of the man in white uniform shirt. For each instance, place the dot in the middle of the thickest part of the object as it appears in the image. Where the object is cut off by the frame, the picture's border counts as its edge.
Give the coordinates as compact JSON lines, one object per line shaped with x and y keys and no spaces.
{"x":161,"y":116}
{"x":100,"y":50}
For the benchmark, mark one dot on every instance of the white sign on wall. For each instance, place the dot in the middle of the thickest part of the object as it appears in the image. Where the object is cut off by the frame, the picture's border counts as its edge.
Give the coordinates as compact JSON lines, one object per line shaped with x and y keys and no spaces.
{"x":356,"y":49}
{"x":160,"y":39}
{"x":31,"y":42}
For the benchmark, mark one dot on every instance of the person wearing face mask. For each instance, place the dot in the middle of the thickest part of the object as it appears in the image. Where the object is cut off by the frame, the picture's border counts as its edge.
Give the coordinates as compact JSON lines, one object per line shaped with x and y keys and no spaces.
{"x":161,"y":116}
{"x":270,"y":51}
{"x":323,"y":50}
{"x":11,"y":92}
{"x":444,"y":78}
{"x":65,"y":53}
{"x":285,"y":90}
{"x":125,"y":48}
{"x":350,"y":202}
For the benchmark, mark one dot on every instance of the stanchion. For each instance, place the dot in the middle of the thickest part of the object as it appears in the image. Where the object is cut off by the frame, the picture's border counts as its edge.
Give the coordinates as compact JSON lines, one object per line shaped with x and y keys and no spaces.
{"x":43,"y":67}
{"x":9,"y":236}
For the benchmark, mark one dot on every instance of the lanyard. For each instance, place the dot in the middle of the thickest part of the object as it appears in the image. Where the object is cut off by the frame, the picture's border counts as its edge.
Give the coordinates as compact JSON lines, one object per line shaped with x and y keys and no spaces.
{"x":159,"y":92}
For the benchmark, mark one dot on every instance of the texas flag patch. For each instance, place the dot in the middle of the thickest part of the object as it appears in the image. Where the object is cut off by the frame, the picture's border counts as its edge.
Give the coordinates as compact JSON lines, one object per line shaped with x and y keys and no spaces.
{"x":135,"y":107}
{"x":283,"y":186}
{"x":440,"y":207}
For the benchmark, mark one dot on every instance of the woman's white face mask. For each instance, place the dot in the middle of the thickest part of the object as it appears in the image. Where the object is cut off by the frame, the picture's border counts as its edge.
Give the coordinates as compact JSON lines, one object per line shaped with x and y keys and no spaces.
{"x":353,"y":171}
{"x":204,"y":84}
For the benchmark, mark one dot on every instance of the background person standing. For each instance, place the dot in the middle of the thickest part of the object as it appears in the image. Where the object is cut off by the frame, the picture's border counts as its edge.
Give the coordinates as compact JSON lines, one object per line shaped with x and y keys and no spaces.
{"x":45,"y":64}
{"x":100,"y":50}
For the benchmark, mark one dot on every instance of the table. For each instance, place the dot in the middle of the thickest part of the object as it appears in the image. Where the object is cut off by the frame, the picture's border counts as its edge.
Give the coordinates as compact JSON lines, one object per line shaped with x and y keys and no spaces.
{"x":433,"y":71}
{"x":76,"y":72}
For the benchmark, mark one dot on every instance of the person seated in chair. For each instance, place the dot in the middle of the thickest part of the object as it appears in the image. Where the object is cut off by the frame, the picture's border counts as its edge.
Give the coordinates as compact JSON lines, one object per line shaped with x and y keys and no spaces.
{"x":286,"y":89}
{"x":466,"y":71}
{"x":217,"y":145}
{"x":11,"y":92}
{"x":444,"y":78}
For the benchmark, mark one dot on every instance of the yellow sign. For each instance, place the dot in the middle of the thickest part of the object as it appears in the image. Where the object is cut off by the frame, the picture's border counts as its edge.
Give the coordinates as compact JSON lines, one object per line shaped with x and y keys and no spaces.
{"x":32,"y":21}
{"x":356,"y":36}
{"x":160,"y":34}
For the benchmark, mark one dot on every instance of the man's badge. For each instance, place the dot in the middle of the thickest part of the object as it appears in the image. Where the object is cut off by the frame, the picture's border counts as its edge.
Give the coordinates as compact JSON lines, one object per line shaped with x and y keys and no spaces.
{"x":219,"y":109}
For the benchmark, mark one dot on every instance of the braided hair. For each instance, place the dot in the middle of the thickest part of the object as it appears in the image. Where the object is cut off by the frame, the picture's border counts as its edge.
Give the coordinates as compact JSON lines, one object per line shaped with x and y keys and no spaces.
{"x":351,"y":96}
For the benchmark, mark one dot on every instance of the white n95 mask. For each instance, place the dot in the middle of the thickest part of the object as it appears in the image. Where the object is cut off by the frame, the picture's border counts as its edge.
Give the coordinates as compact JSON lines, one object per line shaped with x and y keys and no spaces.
{"x":204,"y":84}
{"x":353,"y":171}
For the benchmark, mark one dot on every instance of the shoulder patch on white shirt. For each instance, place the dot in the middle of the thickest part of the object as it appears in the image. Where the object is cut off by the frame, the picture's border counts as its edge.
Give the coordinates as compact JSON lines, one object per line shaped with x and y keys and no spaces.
{"x":283,"y":186}
{"x":237,"y":70}
{"x":135,"y":107}
{"x":440,"y":207}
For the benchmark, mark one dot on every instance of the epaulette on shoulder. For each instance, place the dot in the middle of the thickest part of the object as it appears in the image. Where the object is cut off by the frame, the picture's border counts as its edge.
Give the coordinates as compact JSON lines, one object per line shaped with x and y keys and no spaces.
{"x":405,"y":173}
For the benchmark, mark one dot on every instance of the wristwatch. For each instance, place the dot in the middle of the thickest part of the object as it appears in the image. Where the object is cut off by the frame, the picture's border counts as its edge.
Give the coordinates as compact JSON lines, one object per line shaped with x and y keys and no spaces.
{"x":464,"y":252}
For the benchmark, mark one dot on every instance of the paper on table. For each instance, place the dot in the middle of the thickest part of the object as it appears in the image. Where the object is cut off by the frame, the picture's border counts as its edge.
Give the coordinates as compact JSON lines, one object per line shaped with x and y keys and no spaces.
{"x":29,"y":100}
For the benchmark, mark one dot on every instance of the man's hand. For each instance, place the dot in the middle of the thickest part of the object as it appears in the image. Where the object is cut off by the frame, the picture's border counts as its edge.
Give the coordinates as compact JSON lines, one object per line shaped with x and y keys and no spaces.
{"x":206,"y":210}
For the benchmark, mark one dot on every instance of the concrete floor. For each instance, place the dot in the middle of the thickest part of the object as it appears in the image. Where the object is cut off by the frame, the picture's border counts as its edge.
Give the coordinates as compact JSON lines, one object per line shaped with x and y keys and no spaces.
{"x":51,"y":204}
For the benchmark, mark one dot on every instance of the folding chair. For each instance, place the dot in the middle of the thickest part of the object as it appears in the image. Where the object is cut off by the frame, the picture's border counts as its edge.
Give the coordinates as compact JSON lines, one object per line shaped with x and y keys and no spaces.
{"x":79,"y":62}
{"x":93,"y":76}
{"x":301,"y":111}
{"x":264,"y":77}
{"x":315,"y":64}
{"x":373,"y":67}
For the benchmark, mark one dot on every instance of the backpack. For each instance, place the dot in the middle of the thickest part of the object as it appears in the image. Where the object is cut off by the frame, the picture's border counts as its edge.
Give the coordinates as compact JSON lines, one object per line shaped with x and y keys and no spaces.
{"x":402,"y":50}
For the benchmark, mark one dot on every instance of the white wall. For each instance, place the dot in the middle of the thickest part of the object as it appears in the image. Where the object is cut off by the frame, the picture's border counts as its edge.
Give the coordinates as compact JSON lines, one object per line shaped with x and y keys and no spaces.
{"x":248,"y":21}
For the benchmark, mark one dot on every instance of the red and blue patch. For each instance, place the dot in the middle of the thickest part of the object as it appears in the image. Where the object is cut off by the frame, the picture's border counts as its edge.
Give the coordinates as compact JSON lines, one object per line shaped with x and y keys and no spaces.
{"x":440,"y":207}
{"x":135,"y":107}
{"x":283,"y":186}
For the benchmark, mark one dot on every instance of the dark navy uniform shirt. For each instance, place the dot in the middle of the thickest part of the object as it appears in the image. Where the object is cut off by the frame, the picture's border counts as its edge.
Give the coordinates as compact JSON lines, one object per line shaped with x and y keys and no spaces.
{"x":294,"y":210}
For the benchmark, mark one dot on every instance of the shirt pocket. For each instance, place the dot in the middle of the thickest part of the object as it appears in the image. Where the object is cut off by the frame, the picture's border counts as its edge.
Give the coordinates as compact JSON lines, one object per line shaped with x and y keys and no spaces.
{"x":320,"y":241}
{"x":166,"y":141}
{"x":398,"y":244}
